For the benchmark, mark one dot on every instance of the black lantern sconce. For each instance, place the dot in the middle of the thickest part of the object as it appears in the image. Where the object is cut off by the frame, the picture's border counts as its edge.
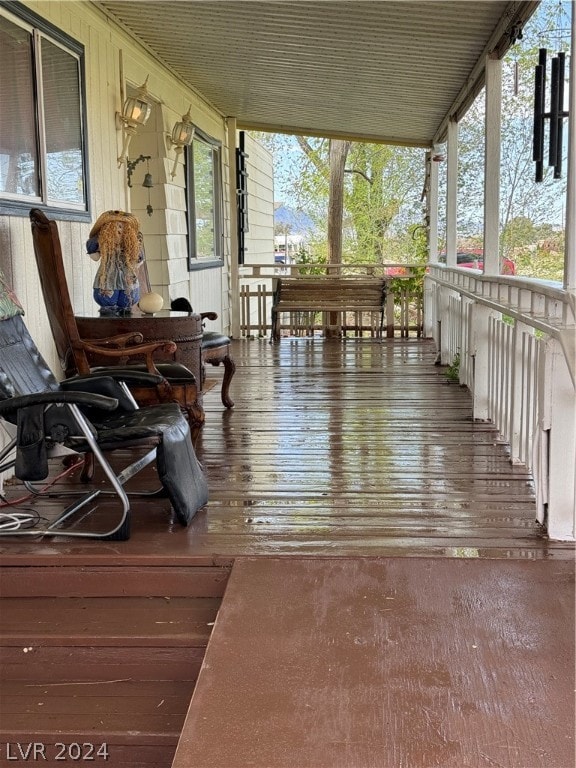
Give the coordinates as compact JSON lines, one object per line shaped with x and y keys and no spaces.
{"x":556,"y":114}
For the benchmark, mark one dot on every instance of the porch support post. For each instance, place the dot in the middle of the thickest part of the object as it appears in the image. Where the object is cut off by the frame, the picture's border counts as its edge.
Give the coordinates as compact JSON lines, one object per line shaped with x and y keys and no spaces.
{"x":492,"y":166}
{"x":234,"y":280}
{"x":481,"y":315}
{"x":570,"y":248}
{"x":451,"y":193}
{"x":444,"y":319}
{"x":432,"y":212}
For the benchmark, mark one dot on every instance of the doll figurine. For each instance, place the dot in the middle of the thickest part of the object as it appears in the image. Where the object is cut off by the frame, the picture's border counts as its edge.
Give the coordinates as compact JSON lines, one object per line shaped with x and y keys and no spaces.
{"x":115,"y":241}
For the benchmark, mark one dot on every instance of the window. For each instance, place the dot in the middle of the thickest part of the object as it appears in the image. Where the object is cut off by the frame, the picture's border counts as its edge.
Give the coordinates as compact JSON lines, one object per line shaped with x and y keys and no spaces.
{"x":42,"y":143}
{"x":204,"y":189}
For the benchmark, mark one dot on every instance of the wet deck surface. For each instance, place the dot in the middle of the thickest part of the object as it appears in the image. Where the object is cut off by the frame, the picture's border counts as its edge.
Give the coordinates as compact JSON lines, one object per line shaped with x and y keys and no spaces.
{"x":347,"y":474}
{"x":336,"y":448}
{"x":364,"y":663}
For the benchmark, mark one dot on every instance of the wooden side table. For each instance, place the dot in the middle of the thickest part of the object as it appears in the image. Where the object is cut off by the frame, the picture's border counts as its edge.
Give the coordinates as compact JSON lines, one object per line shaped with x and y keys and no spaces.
{"x":180,"y":327}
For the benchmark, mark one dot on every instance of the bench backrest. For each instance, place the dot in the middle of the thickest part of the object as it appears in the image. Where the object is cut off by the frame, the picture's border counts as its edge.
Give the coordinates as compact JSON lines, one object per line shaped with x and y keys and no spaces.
{"x":341,"y":292}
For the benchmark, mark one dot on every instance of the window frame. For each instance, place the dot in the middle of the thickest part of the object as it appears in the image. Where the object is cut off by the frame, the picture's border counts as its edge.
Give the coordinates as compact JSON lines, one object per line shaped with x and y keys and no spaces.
{"x":19,"y":205}
{"x":196,"y":262}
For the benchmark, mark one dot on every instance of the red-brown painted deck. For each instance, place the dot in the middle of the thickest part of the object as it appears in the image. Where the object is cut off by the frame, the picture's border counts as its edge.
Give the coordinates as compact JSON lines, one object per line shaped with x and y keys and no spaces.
{"x":354,"y":450}
{"x":385,"y":663}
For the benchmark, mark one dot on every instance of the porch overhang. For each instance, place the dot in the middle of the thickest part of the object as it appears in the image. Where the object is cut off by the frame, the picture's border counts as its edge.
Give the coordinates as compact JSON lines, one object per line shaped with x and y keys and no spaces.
{"x":372,"y":70}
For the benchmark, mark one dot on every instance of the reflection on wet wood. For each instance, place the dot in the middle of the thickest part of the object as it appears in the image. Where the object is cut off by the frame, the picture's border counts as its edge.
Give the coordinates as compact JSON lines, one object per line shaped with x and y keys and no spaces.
{"x":348,"y":448}
{"x":358,"y":448}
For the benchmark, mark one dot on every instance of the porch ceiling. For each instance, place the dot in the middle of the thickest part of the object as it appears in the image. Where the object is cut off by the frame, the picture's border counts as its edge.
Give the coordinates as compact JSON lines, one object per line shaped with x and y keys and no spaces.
{"x":379,"y":70}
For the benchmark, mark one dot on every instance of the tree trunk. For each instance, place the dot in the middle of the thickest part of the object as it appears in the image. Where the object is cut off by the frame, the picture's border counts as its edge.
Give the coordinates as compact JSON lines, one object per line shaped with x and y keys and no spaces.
{"x":338,"y":154}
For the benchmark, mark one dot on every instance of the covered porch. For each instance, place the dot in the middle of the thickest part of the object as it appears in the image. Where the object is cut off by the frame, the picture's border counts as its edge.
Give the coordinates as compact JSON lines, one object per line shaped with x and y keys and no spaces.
{"x":357,"y":450}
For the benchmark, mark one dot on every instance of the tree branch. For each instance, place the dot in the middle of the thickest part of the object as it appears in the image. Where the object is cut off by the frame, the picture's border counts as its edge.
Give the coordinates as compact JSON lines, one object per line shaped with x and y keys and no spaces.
{"x":360,"y":173}
{"x":312,"y":155}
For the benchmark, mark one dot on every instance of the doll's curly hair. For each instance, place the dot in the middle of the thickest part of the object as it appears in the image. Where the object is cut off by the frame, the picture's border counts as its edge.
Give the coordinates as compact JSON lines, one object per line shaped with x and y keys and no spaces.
{"x":118,"y":237}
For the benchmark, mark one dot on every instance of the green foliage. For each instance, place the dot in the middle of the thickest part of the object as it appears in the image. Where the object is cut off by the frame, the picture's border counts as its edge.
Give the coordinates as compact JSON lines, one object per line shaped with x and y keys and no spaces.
{"x":315,"y":265}
{"x":453,"y":370}
{"x":413,"y":285}
{"x":381,"y":195}
{"x":540,"y":262}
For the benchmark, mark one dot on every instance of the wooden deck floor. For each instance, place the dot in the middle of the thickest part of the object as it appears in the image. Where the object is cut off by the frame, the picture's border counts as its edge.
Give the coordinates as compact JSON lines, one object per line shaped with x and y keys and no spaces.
{"x":336,"y":448}
{"x":338,"y":455}
{"x":387,"y":663}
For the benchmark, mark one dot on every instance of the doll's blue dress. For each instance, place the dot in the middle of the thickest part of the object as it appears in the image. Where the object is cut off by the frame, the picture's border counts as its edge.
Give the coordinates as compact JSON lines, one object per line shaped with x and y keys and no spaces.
{"x":121,"y":289}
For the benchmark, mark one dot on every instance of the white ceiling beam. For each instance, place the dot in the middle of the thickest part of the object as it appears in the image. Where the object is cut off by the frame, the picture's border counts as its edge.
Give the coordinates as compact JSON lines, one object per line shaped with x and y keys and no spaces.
{"x":516,"y":15}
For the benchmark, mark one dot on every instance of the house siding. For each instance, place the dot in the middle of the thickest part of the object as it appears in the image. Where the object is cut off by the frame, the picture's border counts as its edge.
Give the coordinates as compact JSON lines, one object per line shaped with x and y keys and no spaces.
{"x":113,"y":59}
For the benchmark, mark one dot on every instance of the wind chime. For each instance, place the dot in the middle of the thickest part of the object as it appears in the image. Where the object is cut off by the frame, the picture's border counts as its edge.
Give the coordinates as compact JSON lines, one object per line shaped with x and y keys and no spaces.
{"x":555,"y":115}
{"x":148,"y":184}
{"x":556,"y":112}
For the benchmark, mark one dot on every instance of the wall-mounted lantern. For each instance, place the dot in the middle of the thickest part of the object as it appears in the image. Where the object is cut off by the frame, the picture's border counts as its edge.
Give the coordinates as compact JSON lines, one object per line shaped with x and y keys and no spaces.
{"x":181,"y":136}
{"x":135,"y":112}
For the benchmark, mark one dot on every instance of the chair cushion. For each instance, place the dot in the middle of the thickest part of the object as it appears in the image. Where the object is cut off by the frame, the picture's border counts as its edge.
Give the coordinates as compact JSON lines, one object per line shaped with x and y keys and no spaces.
{"x":212,"y":339}
{"x":171,"y":371}
{"x":148,"y":422}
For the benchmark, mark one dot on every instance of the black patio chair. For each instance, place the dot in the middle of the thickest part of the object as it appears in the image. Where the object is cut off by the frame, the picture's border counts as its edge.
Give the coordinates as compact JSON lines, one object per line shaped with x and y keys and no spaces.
{"x":87,"y":415}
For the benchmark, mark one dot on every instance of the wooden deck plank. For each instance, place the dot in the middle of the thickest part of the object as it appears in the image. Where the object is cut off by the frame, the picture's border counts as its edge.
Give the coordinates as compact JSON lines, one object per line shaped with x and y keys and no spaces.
{"x":365,"y":663}
{"x":93,"y":663}
{"x":102,"y":621}
{"x":62,"y":581}
{"x":353,"y":447}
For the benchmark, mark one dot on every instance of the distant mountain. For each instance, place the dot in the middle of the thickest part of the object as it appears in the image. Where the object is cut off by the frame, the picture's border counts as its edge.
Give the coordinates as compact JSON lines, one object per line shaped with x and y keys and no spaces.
{"x":297,"y":222}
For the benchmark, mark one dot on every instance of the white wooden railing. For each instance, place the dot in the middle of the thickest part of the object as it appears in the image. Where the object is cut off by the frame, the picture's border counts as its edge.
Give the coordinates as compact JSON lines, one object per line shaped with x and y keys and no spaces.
{"x":515,"y":341}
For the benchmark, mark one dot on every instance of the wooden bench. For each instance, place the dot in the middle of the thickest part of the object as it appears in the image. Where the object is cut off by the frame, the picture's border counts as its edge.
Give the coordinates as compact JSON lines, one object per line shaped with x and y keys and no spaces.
{"x":333,"y":296}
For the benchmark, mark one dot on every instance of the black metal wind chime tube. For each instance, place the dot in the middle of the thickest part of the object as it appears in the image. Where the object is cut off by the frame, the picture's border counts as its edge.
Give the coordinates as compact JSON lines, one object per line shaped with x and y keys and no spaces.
{"x":557,"y":160}
{"x":539,"y":98}
{"x":553,"y":140}
{"x":556,"y":114}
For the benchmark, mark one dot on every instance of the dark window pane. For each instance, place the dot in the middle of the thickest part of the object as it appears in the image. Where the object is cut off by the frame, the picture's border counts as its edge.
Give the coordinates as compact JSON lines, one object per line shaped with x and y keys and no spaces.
{"x":18,"y":152}
{"x":63,"y":128}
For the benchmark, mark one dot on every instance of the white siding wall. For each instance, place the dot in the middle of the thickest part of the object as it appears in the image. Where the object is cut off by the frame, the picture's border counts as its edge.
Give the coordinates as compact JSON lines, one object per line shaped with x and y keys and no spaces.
{"x":260,"y":236}
{"x":110,"y":56}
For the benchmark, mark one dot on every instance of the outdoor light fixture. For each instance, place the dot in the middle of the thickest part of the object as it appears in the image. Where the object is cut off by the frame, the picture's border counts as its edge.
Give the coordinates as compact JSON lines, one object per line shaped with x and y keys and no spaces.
{"x":181,"y":136}
{"x":135,"y":112}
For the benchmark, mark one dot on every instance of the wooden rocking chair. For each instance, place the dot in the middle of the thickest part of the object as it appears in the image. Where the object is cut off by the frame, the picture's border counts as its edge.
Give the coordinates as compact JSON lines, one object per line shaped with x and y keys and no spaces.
{"x":178,"y":384}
